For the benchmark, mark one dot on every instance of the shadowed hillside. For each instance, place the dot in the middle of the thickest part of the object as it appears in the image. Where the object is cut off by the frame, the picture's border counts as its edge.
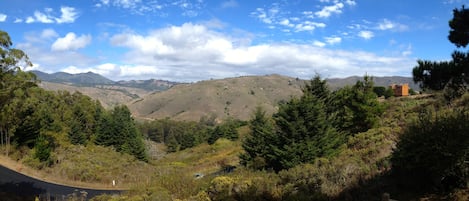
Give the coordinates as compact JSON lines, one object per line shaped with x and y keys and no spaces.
{"x":232,"y":97}
{"x":108,"y":95}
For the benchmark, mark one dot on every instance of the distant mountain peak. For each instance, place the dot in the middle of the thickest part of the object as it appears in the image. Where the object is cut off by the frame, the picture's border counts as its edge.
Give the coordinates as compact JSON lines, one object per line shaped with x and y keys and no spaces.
{"x":93,"y":79}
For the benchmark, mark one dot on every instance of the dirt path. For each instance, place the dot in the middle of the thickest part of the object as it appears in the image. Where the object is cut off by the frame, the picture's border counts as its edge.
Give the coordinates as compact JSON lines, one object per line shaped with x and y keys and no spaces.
{"x":43,"y":176}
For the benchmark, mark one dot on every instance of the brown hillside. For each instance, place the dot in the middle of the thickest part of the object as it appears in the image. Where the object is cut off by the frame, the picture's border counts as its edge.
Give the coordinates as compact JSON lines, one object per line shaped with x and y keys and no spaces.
{"x":108,"y":95}
{"x":231,"y":97}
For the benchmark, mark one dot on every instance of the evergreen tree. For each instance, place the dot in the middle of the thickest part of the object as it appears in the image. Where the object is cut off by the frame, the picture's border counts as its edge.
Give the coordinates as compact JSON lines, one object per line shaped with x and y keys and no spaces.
{"x":42,"y":149}
{"x":118,"y":129}
{"x":301,"y":132}
{"x":12,"y":81}
{"x":459,"y":32}
{"x":452,"y":75}
{"x":76,"y":134}
{"x":225,"y":130}
{"x":257,"y":145}
{"x":356,"y":109}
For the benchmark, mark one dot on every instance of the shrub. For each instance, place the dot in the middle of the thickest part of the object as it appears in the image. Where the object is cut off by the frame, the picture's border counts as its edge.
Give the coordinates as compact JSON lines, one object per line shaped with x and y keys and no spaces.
{"x":434,"y":151}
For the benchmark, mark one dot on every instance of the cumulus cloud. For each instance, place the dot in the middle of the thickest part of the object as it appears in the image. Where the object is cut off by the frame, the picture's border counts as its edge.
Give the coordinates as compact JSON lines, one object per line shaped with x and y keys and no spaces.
{"x":192,"y":52}
{"x":68,"y":15}
{"x":3,"y":17}
{"x":366,"y":34}
{"x":71,"y":42}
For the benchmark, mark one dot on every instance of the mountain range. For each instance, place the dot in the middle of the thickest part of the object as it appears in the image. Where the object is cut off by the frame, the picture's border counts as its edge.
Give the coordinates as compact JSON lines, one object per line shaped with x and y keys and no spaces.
{"x":223,"y":98}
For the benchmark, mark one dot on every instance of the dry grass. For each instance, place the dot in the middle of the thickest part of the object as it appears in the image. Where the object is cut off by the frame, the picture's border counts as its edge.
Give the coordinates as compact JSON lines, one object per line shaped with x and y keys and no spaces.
{"x":109,"y":96}
{"x":232,"y":97}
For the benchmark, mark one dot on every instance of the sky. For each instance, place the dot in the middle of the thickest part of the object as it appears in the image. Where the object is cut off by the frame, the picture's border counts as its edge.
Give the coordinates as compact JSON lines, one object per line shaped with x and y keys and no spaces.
{"x":193,"y":40}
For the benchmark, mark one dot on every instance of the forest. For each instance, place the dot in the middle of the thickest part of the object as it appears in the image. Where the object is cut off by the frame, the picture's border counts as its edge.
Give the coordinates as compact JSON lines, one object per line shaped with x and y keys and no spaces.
{"x":346,"y":144}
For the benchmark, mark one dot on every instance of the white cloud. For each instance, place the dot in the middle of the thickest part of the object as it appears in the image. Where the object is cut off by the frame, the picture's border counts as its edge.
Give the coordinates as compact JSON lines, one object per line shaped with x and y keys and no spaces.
{"x":319,"y":43}
{"x":366,"y":34}
{"x":327,"y":11}
{"x":333,"y":40}
{"x":285,"y":22}
{"x":124,"y":3}
{"x":143,"y":7}
{"x":193,"y":52}
{"x":29,"y":20}
{"x":71,"y":42}
{"x":39,"y":17}
{"x":68,"y":15}
{"x":275,"y":17}
{"x":18,"y":20}
{"x":3,"y":17}
{"x":350,"y":2}
{"x":37,"y":45}
{"x":393,"y":26}
{"x":308,"y":26}
{"x":263,"y":16}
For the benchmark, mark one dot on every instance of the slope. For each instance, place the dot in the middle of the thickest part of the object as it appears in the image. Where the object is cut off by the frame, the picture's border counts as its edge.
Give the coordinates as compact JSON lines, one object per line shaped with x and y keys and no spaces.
{"x":108,"y":95}
{"x":231,"y":97}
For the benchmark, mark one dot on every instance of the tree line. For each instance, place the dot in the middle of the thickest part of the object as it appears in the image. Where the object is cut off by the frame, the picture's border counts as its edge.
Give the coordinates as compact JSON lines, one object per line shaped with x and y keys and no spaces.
{"x":180,"y":135}
{"x":40,"y":120}
{"x":311,"y":126}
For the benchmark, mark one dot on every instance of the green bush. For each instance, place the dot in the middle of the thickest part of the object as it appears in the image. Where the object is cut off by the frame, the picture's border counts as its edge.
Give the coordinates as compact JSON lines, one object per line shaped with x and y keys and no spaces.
{"x":434,"y":151}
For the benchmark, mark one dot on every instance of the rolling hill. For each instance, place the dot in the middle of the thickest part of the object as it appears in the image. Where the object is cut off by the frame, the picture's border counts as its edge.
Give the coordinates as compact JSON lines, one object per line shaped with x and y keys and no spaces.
{"x":108,"y":95}
{"x":108,"y":92}
{"x":231,"y":97}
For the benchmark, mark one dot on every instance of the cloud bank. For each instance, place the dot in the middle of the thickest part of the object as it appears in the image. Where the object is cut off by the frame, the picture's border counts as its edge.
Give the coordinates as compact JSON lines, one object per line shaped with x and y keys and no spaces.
{"x":193,"y":52}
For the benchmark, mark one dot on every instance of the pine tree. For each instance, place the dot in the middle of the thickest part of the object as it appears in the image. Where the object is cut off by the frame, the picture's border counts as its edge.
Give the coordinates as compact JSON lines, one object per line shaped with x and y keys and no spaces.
{"x":301,"y":132}
{"x":257,"y":145}
{"x":451,"y":75}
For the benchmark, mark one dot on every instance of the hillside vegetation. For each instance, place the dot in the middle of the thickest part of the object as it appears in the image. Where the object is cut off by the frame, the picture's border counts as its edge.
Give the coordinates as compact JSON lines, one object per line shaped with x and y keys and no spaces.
{"x":107,"y":95}
{"x":249,"y":138}
{"x":233,"y":97}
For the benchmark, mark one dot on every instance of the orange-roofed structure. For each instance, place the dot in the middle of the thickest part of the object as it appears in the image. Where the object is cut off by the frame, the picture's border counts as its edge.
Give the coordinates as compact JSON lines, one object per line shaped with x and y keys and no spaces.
{"x":400,"y":89}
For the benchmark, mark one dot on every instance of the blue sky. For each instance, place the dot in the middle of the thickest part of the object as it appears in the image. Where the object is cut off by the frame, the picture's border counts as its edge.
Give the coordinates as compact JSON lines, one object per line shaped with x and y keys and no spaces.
{"x":191,"y":40}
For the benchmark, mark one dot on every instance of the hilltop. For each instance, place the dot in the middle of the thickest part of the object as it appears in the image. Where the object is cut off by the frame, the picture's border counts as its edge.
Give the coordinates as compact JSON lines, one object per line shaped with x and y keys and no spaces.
{"x":230,"y":97}
{"x":109,"y":93}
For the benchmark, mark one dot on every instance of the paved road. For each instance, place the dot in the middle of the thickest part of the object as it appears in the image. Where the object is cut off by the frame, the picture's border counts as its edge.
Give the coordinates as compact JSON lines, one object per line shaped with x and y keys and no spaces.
{"x":21,"y":187}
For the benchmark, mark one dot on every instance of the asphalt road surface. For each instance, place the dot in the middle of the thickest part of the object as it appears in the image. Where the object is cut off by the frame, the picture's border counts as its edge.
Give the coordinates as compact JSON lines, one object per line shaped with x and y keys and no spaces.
{"x":16,"y":186}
